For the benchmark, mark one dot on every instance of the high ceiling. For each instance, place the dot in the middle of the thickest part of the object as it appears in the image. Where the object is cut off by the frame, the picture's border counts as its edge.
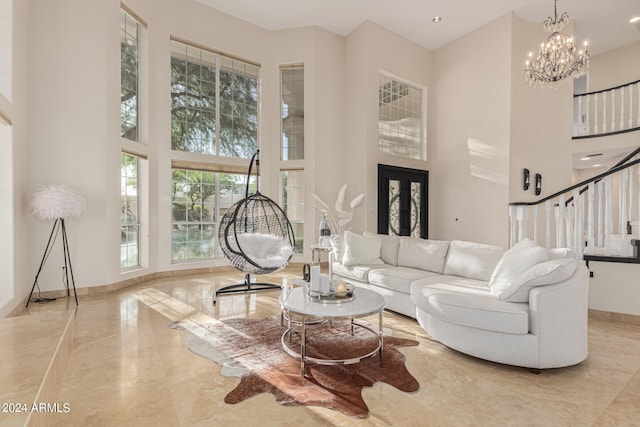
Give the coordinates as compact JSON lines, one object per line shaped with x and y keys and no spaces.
{"x":604,"y":23}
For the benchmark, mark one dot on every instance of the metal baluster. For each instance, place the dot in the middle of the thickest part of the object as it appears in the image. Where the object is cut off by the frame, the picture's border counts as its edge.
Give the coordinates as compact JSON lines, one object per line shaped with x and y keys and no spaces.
{"x":512,"y":224}
{"x":613,"y":110}
{"x":632,"y":195}
{"x":621,"y":108}
{"x":600,"y":186}
{"x":604,"y":112}
{"x":547,"y":226}
{"x":595,"y":115}
{"x":588,"y":116}
{"x":638,"y":121}
{"x":535,"y":224}
{"x":622,"y":209}
{"x":608,"y":219}
{"x":590,"y":218}
{"x":523,"y":223}
{"x":630,"y":106}
{"x":623,"y":212}
{"x":560,"y":221}
{"x":578,"y":228}
{"x":569,"y":216}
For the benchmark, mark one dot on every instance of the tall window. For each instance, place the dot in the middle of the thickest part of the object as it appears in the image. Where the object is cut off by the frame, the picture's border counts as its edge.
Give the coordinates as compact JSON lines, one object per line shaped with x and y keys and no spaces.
{"x":292,"y":89}
{"x":292,"y":196}
{"x":214,"y":103}
{"x":129,"y":212}
{"x":129,"y":76}
{"x":401,"y":119}
{"x":199,"y":200}
{"x":292,"y":187}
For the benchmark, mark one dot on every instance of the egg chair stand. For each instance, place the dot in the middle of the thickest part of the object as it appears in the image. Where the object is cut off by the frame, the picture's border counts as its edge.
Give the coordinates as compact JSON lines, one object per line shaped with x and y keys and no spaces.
{"x":256,"y":237}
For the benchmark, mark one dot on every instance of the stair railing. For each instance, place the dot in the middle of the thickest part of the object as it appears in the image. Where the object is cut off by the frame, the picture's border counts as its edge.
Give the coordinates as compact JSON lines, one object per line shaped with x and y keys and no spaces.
{"x":582,"y":217}
{"x":607,"y":112}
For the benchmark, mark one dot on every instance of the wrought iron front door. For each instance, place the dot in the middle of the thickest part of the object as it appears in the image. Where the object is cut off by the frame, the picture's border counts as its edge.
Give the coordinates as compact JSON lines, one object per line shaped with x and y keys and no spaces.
{"x":402,"y":201}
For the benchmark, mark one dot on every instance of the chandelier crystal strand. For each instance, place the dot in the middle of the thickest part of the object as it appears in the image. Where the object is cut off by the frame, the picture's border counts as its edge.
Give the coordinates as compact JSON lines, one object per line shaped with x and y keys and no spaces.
{"x":558,"y":57}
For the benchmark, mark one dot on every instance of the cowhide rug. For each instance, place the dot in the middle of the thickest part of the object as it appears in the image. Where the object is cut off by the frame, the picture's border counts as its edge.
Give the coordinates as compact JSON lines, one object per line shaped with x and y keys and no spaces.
{"x":251,"y":349}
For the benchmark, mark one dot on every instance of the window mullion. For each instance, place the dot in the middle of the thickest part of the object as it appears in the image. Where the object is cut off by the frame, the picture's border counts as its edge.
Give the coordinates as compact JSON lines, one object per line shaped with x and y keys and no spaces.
{"x":217,"y":114}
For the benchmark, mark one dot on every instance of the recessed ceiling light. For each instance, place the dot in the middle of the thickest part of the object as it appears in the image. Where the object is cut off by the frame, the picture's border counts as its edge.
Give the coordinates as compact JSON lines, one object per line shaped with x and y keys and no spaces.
{"x":584,"y":158}
{"x":597,"y":166}
{"x":634,"y":19}
{"x":436,"y":19}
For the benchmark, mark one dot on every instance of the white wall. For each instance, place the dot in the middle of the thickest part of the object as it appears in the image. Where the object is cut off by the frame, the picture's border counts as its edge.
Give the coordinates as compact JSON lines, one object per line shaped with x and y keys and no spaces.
{"x":15,"y":280}
{"x":471,"y":104}
{"x":541,"y":126}
{"x":371,"y":49}
{"x":75,"y":119}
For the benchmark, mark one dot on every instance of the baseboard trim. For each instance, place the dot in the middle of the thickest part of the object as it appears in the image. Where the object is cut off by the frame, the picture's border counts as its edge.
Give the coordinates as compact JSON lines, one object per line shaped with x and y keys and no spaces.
{"x":616,"y":317}
{"x":99,"y":289}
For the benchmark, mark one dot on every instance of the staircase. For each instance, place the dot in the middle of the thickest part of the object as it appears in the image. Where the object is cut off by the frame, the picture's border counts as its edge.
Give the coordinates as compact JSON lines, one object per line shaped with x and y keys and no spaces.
{"x":598,"y":217}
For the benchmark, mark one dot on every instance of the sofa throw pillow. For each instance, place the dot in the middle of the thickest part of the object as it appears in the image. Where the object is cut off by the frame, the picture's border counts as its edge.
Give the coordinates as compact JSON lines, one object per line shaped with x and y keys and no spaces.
{"x":515,"y":261}
{"x":558,"y":253}
{"x":337,"y":246}
{"x":472,"y":260}
{"x":361,"y":250}
{"x":545,"y":273}
{"x":389,"y":250}
{"x":423,"y":254}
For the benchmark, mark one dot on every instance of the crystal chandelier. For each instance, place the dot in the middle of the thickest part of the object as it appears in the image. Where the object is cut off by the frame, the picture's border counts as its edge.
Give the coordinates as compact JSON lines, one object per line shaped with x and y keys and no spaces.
{"x":558,"y":57}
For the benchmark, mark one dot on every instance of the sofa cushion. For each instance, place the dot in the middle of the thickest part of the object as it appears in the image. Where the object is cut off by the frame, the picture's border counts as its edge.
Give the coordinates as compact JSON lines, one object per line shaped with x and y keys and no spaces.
{"x":514,"y":262}
{"x":361,"y":250}
{"x":397,"y":278}
{"x":389,"y":249}
{"x":472,"y":260}
{"x":545,"y":273}
{"x":356,"y":272}
{"x":466,"y":302}
{"x":423,"y":254}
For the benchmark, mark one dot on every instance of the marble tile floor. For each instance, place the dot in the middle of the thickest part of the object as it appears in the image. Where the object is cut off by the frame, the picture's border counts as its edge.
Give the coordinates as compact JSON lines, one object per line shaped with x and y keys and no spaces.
{"x":127,"y":368}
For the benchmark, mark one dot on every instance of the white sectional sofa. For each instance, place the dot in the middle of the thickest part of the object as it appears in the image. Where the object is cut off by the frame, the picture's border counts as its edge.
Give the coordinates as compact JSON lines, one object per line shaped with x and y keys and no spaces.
{"x":526,"y":306}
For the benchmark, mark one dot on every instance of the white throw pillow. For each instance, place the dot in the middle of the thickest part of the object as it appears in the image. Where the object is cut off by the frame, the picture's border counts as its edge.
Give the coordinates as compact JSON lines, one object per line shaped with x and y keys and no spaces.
{"x":472,"y":260}
{"x":389,"y":250}
{"x":558,"y":253}
{"x":515,"y":261}
{"x":423,"y":254}
{"x":337,"y":246}
{"x":545,"y":273}
{"x":361,"y":250}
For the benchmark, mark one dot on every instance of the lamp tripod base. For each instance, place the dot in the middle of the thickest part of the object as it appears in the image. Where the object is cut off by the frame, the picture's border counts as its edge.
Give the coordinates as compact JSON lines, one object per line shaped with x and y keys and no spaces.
{"x":58,"y":226}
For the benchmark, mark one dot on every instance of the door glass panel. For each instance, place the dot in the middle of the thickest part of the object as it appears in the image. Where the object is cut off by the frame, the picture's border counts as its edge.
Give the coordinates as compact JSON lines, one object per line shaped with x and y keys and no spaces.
{"x":394,"y":207}
{"x":416,"y":191}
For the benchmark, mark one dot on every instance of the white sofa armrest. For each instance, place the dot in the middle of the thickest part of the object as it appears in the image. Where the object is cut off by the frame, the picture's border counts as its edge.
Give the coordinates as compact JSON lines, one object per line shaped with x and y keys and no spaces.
{"x":559,"y":318}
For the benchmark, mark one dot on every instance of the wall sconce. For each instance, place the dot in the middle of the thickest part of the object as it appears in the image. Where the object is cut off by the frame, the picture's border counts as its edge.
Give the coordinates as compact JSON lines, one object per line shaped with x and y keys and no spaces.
{"x":526,"y":179}
{"x":538,"y":188}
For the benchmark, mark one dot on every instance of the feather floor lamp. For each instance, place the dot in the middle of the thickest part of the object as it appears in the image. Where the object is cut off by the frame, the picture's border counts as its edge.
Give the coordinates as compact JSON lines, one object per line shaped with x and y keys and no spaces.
{"x":57,"y":202}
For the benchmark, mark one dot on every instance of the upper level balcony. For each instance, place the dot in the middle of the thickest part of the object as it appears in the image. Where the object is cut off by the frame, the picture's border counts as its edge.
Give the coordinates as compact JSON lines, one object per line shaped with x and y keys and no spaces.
{"x":607,"y":112}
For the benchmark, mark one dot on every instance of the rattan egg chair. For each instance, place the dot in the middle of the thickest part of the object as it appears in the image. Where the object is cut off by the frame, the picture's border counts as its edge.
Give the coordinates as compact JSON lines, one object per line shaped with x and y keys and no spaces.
{"x":256,"y":237}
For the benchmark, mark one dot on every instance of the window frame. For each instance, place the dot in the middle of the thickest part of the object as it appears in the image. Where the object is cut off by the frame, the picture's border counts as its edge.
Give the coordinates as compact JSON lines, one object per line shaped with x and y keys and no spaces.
{"x":396,"y":149}
{"x":139,"y":212}
{"x":217,"y":105}
{"x":128,"y":15}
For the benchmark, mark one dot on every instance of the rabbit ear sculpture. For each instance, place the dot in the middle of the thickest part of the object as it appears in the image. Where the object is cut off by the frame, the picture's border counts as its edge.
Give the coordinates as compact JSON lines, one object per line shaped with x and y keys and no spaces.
{"x":343,"y":217}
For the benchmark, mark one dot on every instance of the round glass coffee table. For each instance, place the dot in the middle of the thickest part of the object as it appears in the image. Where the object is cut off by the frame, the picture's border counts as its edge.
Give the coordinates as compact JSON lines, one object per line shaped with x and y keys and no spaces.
{"x":295,"y":302}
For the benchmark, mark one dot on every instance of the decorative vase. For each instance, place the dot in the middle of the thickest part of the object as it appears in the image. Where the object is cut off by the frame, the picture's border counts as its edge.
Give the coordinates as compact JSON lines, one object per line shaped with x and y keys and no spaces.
{"x":325,"y":231}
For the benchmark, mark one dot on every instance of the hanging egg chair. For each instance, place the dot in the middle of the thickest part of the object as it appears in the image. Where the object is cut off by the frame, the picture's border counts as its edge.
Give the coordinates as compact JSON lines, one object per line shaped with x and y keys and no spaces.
{"x":256,"y":237}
